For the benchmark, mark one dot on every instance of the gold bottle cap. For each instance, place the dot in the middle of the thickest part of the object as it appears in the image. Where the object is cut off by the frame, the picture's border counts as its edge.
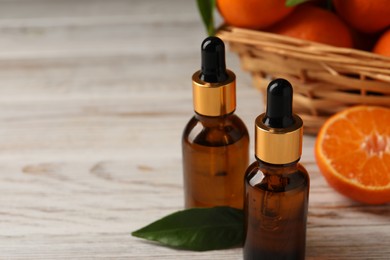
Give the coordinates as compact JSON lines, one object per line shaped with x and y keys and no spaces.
{"x":278,"y":145}
{"x":214,"y":99}
{"x":278,"y":132}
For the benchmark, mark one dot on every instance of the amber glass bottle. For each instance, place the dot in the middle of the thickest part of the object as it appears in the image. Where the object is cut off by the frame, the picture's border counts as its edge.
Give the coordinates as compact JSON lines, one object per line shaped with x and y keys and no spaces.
{"x":276,"y":185}
{"x":215,"y":142}
{"x":215,"y":155}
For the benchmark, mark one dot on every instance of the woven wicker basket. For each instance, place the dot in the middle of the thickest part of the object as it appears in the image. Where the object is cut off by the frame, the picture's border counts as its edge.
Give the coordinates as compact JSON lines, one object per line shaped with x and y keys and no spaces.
{"x":326,"y":79}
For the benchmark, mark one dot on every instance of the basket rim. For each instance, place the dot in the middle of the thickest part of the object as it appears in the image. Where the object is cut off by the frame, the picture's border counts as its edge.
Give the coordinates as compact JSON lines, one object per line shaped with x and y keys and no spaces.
{"x":292,"y":46}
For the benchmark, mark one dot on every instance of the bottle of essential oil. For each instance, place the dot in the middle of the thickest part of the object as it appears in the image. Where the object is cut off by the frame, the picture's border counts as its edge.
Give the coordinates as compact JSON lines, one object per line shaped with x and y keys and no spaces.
{"x":276,"y":185}
{"x":215,"y":141}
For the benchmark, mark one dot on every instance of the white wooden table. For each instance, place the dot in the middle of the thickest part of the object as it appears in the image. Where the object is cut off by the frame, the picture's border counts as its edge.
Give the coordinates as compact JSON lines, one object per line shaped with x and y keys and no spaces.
{"x":94,"y":95}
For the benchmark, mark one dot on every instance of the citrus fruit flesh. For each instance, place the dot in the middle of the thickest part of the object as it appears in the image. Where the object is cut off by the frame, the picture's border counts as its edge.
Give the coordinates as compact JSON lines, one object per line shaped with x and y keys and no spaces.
{"x":353,"y":153}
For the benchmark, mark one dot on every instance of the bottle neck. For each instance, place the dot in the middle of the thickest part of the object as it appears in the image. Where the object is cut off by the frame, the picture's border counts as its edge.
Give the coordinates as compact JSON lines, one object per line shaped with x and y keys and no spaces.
{"x":268,"y":168}
{"x":214,"y":121}
{"x":212,"y":118}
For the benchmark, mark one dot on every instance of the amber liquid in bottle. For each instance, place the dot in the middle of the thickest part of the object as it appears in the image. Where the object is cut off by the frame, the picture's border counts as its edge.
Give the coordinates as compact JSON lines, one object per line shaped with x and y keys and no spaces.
{"x":215,"y":157}
{"x":275,"y":211}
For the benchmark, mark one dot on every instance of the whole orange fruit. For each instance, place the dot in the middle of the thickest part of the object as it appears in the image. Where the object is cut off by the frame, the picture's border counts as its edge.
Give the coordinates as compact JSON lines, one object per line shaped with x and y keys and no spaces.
{"x":253,"y":14}
{"x":364,"y":15}
{"x":383,"y":44}
{"x":353,"y":153}
{"x":315,"y":24}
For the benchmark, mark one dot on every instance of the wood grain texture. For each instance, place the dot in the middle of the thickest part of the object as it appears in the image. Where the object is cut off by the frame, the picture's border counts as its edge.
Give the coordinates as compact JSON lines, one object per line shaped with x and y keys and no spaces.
{"x":94,"y":96}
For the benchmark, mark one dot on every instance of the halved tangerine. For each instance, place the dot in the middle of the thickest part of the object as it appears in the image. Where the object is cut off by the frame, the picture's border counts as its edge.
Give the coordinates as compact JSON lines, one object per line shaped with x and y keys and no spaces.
{"x":353,"y":153}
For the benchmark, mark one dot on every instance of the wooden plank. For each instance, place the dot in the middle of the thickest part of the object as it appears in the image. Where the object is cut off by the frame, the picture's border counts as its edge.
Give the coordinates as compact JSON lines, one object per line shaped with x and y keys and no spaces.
{"x":94,"y":96}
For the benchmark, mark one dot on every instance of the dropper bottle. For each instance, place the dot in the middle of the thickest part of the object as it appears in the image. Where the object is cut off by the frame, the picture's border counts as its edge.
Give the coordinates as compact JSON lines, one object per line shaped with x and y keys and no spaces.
{"x":215,"y":142}
{"x":276,"y":185}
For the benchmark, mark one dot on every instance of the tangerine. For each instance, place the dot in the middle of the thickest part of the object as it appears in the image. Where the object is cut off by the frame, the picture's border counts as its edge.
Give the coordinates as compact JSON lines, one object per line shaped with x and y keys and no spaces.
{"x":353,"y":153}
{"x":312,"y":23}
{"x":368,"y":16}
{"x":382,"y":46}
{"x":253,"y":14}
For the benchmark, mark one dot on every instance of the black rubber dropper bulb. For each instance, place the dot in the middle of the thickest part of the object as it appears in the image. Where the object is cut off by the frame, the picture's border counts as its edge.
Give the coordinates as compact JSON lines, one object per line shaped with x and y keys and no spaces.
{"x":213,"y":61}
{"x":279,"y":104}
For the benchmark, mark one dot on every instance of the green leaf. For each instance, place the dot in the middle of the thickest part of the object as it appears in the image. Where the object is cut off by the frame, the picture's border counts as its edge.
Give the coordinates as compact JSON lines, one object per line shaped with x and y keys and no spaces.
{"x":295,"y":2}
{"x":206,"y":9}
{"x":197,"y":229}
